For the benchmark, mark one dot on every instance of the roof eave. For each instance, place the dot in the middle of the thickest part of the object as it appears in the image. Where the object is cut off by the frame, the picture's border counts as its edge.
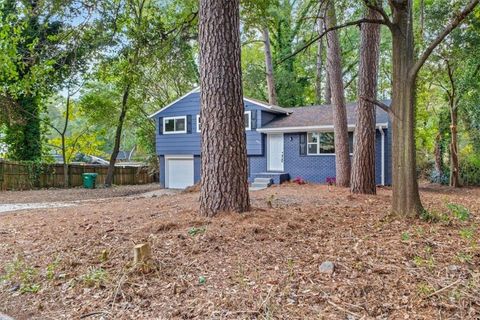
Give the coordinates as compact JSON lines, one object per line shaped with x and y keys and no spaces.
{"x":174,"y":102}
{"x":351,"y":127}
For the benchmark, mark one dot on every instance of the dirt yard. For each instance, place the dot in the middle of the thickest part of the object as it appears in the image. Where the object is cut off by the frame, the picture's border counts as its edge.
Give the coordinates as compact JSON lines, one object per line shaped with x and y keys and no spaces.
{"x":74,"y":194}
{"x":76,"y":262}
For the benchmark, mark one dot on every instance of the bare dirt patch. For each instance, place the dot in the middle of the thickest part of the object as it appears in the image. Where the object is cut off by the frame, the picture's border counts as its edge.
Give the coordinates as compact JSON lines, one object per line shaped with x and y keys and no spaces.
{"x":76,"y":262}
{"x":74,"y":194}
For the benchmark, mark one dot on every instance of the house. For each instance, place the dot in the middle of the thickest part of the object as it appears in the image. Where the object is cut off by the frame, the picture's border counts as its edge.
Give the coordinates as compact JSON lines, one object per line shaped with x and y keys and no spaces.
{"x":282,"y":144}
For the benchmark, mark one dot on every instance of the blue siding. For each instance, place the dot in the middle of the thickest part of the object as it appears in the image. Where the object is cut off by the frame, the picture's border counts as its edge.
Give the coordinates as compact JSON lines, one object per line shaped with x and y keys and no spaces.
{"x":314,"y":169}
{"x":197,"y":164}
{"x":317,"y":168}
{"x":310,"y":168}
{"x":162,"y":171}
{"x":388,"y":155}
{"x":183,"y":144}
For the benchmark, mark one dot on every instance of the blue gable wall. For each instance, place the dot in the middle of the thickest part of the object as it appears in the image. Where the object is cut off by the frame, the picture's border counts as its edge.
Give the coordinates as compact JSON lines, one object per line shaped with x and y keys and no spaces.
{"x":189,"y":143}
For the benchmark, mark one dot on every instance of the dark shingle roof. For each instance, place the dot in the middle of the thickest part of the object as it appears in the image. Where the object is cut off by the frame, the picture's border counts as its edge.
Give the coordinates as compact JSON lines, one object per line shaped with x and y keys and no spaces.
{"x":320,"y":116}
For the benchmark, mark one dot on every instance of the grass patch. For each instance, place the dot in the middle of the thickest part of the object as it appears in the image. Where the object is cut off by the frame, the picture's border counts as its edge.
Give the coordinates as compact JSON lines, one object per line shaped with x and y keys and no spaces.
{"x":460,"y":212}
{"x":95,"y":277}
{"x":193,"y":231}
{"x":23,"y":275}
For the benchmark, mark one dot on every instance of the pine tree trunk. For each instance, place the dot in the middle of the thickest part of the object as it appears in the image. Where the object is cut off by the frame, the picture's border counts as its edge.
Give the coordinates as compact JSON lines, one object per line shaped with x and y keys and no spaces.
{"x":334,"y":66}
{"x":406,"y":198}
{"x":328,"y":91}
{"x":363,"y":169}
{"x":272,"y":93}
{"x":318,"y":78}
{"x":118,"y":137}
{"x":454,"y":168}
{"x":224,"y":185}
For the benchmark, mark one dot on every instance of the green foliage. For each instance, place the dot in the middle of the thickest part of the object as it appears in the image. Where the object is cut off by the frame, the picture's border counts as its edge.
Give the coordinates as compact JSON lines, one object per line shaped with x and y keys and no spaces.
{"x":468,"y":233}
{"x":405,"y":236}
{"x":464,"y":257}
{"x":193,"y":231}
{"x":20,"y":273}
{"x":433,"y":216}
{"x":470,"y":167}
{"x":42,"y":49}
{"x":51,"y":269}
{"x":95,"y":277}
{"x":424,"y":289}
{"x":460,"y":212}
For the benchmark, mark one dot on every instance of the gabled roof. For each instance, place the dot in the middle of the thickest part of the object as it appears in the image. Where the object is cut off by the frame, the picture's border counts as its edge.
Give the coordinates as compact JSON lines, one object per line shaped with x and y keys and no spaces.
{"x":320,"y":117}
{"x":266,"y":105}
{"x":197,"y":89}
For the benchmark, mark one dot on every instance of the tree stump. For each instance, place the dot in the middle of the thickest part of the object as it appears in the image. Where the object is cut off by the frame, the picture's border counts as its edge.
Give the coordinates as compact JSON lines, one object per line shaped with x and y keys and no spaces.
{"x":142,"y":257}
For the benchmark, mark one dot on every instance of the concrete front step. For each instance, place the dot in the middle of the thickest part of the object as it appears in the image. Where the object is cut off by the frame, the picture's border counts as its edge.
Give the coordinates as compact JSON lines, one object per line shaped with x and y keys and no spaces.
{"x":263,"y":180}
{"x":260,"y":185}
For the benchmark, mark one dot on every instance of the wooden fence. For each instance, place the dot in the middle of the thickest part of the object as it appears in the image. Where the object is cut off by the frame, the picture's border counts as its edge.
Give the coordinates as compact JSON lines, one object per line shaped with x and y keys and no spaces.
{"x":27,"y":176}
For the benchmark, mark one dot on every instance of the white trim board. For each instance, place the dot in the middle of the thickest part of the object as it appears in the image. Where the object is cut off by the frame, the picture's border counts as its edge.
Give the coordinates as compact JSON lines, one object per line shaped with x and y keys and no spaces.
{"x":312,"y":128}
{"x":276,"y":109}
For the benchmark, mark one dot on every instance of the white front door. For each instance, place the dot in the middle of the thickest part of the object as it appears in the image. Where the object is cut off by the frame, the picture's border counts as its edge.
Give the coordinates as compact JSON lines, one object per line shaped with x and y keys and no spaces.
{"x":275,"y":152}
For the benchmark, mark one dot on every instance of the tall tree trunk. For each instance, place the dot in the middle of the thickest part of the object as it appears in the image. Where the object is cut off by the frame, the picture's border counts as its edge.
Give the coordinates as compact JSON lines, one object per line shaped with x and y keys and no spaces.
{"x":334,"y":66}
{"x":224,"y":185}
{"x":406,"y":198}
{"x":66,"y":182}
{"x":118,"y":137}
{"x":328,"y":91}
{"x":363,"y":169}
{"x":454,"y":168}
{"x":272,"y":93}
{"x":453,"y":104}
{"x":318,"y":78}
{"x":438,"y":157}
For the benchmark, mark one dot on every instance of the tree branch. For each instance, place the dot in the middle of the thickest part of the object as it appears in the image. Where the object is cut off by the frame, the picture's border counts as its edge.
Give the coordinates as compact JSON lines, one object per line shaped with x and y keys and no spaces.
{"x":449,"y":28}
{"x":376,"y":7}
{"x":379,"y":104}
{"x":318,"y":37}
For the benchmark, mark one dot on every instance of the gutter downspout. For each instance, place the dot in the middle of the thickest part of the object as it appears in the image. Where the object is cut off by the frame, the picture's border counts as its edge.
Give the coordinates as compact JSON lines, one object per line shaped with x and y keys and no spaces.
{"x":383,"y":156}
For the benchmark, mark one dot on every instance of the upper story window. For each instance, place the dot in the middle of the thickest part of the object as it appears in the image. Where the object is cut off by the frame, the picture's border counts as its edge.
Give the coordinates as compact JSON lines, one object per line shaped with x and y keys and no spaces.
{"x":175,"y":125}
{"x":320,"y":143}
{"x":247,"y":118}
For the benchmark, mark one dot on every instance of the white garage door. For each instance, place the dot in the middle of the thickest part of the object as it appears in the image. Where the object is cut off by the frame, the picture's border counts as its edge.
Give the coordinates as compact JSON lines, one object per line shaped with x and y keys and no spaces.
{"x":179,"y":173}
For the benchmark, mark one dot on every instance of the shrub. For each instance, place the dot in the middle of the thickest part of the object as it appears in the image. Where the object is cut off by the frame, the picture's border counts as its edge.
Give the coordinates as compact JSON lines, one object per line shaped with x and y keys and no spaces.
{"x":299,"y":180}
{"x":331,"y":181}
{"x":470,"y":170}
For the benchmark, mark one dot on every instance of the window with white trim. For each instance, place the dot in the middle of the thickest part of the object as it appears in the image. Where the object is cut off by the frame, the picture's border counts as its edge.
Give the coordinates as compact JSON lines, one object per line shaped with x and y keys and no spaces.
{"x":247,"y":118}
{"x":175,"y":125}
{"x":320,"y":143}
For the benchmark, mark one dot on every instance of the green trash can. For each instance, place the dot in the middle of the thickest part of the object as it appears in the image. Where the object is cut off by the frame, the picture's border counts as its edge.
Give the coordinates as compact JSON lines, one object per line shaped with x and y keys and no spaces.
{"x":89,"y":180}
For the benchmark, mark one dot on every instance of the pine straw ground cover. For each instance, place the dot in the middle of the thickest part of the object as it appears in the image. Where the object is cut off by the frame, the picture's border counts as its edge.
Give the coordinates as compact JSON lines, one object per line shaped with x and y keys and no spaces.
{"x":72,"y":263}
